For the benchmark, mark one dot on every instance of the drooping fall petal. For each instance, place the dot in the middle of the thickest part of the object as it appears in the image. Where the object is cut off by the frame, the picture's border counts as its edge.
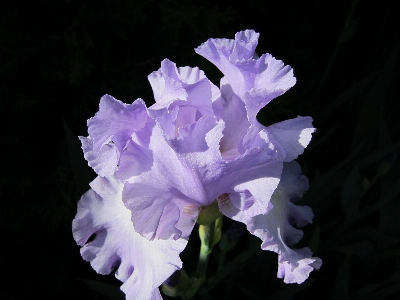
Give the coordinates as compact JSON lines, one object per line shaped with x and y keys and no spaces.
{"x":276,"y":227}
{"x":103,"y":228}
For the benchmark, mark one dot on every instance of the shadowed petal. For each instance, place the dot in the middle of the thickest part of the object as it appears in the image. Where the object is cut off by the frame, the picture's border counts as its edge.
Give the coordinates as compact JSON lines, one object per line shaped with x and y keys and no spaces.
{"x":275,"y":228}
{"x":253,"y":197}
{"x":296,"y":265}
{"x":140,"y":264}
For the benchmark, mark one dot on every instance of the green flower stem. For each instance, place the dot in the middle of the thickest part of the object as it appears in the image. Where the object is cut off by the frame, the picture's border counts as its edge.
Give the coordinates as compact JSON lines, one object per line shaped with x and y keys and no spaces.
{"x":221,"y":260}
{"x":206,"y":233}
{"x":210,"y":235}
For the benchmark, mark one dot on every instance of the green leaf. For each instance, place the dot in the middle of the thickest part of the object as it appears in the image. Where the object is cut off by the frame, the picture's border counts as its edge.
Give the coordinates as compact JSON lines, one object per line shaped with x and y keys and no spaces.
{"x":351,"y":194}
{"x":107,"y":290}
{"x":379,"y":154}
{"x":393,"y":254}
{"x":341,"y":285}
{"x":366,"y":131}
{"x":384,"y":292}
{"x":366,"y":290}
{"x":369,"y":233}
{"x":327,"y":184}
{"x":350,"y":93}
{"x":289,"y":291}
{"x":358,"y":249}
{"x":233,"y":265}
{"x":315,"y":240}
{"x":395,"y":277}
{"x":388,"y":196}
{"x":349,"y":31}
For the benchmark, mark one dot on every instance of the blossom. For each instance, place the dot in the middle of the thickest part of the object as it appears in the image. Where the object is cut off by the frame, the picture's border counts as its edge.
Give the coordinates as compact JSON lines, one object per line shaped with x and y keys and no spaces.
{"x":159,"y":166}
{"x":188,"y":171}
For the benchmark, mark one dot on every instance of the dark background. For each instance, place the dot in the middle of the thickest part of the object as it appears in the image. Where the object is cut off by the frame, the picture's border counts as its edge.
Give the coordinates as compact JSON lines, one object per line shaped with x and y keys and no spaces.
{"x":57,"y":58}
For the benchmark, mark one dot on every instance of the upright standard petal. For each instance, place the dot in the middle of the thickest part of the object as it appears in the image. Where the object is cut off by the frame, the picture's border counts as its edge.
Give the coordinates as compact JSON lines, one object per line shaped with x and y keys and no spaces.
{"x":275,"y":228}
{"x":183,"y":95}
{"x":110,"y":131}
{"x":116,"y":121}
{"x":141,"y":265}
{"x":256,"y":80}
{"x":234,"y":114}
{"x":249,"y":83}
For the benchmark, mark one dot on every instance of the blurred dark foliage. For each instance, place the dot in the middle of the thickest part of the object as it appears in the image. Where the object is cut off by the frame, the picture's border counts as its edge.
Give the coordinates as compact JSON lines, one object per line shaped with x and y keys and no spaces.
{"x":58,"y":57}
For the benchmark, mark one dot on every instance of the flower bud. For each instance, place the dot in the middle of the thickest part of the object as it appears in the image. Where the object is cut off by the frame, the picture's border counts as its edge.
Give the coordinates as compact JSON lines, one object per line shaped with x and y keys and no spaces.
{"x":209,"y":214}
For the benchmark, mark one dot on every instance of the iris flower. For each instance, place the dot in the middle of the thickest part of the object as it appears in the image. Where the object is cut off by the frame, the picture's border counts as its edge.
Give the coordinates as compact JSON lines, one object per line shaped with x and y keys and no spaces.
{"x":158,"y":167}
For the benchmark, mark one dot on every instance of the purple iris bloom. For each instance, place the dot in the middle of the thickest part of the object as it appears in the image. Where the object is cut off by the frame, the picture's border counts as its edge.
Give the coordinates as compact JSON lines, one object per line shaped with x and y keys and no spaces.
{"x":159,"y":166}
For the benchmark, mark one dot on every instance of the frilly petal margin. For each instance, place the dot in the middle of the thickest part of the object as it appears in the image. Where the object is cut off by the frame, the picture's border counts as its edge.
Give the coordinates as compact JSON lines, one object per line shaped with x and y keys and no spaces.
{"x":183,"y":95}
{"x":141,"y":265}
{"x":103,"y":162}
{"x":110,"y":130}
{"x":188,"y":84}
{"x":256,"y":80}
{"x":116,"y":121}
{"x":288,"y":138}
{"x":293,"y":135}
{"x":276,"y":231}
{"x":252,"y":198}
